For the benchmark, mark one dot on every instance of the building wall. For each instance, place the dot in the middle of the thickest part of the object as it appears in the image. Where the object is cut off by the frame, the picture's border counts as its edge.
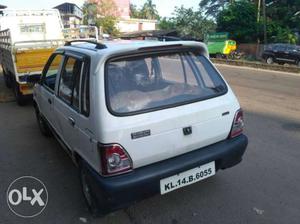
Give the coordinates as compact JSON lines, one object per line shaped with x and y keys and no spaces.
{"x":132,"y":25}
{"x":71,"y":15}
{"x":74,"y":22}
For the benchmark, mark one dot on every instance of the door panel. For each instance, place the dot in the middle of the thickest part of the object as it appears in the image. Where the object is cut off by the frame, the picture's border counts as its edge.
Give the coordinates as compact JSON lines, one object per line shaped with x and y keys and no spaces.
{"x":66,"y":106}
{"x":69,"y":110}
{"x":47,"y":89}
{"x":66,"y":120}
{"x":280,"y":53}
{"x":291,"y":53}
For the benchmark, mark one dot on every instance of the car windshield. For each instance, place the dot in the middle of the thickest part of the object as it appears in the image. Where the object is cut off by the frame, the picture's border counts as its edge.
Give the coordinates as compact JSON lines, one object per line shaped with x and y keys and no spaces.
{"x":158,"y":81}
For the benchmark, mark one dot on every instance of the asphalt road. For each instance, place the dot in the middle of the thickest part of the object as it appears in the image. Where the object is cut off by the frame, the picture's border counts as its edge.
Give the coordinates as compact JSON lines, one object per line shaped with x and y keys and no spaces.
{"x":264,"y":188}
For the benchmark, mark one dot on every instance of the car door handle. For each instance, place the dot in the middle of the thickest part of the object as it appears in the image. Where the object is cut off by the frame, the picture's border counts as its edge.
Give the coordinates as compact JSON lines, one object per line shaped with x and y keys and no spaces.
{"x":49,"y":101}
{"x":71,"y":121}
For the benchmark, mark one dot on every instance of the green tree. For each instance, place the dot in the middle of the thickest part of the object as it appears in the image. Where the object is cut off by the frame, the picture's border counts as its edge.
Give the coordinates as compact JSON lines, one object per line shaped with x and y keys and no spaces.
{"x":188,"y":23}
{"x":108,"y":25}
{"x":167,"y":24}
{"x":240,"y":20}
{"x":89,"y":13}
{"x":279,"y":34}
{"x":283,"y":20}
{"x":213,"y":7}
{"x":103,"y":13}
{"x":134,"y":11}
{"x":149,"y":11}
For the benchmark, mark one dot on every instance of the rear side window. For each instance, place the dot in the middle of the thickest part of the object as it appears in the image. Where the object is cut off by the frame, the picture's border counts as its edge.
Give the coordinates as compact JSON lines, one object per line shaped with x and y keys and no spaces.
{"x":85,"y":92}
{"x":291,"y":48}
{"x":150,"y":82}
{"x":280,"y":48}
{"x":69,"y":84}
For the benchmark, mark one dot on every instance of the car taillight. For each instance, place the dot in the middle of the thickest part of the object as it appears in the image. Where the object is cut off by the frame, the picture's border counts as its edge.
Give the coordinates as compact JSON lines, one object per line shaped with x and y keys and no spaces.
{"x":238,"y":124}
{"x":114,"y":159}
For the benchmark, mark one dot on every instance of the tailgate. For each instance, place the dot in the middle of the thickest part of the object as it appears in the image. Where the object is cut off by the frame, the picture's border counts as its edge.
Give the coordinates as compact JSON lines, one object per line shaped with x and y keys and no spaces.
{"x":32,"y":60}
{"x":210,"y":122}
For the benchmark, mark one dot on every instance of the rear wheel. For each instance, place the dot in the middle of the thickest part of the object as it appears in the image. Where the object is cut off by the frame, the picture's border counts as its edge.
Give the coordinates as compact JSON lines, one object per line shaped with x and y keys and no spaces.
{"x":88,"y":193}
{"x":269,"y":60}
{"x":43,"y":126}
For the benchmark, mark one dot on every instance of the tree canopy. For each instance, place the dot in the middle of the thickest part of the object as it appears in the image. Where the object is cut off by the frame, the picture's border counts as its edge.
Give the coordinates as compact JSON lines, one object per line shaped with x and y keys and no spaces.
{"x":188,"y":23}
{"x":148,"y":11}
{"x":239,"y":18}
{"x":102,"y":13}
{"x":212,"y":8}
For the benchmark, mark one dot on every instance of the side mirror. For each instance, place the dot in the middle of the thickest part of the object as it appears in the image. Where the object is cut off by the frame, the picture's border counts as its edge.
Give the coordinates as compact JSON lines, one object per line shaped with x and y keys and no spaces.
{"x":33,"y":79}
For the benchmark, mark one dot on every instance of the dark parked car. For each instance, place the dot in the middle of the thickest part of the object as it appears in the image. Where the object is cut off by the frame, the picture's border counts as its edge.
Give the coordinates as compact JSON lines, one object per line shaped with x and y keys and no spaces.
{"x":282,"y":53}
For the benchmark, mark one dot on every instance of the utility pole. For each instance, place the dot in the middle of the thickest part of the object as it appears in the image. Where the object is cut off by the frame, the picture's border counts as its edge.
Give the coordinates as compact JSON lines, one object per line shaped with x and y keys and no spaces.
{"x":258,"y":10}
{"x":265,"y":22}
{"x":258,"y":19}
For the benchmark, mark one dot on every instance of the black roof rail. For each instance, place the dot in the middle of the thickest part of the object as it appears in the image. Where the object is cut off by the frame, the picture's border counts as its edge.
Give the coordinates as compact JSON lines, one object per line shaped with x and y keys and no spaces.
{"x":166,"y":47}
{"x":98,"y":45}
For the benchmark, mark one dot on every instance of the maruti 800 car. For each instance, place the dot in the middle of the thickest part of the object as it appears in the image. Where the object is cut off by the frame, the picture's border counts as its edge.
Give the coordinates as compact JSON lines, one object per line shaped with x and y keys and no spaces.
{"x":139,"y":118}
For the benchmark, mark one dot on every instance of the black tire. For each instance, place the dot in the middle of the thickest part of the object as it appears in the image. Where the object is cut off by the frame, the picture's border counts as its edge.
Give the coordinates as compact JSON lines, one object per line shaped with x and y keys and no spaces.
{"x":298,"y":63}
{"x":43,"y":126}
{"x":89,"y":195}
{"x":270,"y":60}
{"x":20,"y":98}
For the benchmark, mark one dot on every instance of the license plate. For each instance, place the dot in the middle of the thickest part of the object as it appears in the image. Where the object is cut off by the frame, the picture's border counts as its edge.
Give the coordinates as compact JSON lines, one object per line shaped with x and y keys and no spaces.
{"x":186,"y":178}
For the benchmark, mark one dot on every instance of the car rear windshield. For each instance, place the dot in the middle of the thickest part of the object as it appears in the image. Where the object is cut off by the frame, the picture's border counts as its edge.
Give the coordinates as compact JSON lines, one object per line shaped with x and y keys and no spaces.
{"x":155,"y":81}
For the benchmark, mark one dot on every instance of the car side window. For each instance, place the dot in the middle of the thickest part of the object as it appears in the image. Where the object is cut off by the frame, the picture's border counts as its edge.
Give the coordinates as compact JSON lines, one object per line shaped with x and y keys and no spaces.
{"x":85,"y":92}
{"x":50,"y":72}
{"x":69,"y":83}
{"x":281,"y":48}
{"x":291,"y":48}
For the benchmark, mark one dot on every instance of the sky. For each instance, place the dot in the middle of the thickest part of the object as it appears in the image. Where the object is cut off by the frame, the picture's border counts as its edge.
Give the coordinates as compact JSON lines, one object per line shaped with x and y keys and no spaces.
{"x":164,"y":7}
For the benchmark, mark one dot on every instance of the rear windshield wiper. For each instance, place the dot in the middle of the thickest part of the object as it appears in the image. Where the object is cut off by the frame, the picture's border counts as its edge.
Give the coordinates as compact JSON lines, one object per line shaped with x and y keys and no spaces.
{"x":217,"y":89}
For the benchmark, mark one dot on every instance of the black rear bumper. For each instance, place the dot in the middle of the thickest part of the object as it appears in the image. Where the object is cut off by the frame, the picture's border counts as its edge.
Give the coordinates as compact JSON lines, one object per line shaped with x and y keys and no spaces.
{"x":120,"y":191}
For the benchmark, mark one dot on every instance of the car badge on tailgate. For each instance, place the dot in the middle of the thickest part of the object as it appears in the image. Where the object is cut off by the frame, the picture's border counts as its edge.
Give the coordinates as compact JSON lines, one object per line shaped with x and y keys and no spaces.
{"x":140,"y":134}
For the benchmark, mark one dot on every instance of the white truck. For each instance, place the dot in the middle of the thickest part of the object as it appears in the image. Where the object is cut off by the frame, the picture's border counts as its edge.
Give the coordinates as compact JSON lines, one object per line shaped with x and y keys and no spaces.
{"x":27,"y":39}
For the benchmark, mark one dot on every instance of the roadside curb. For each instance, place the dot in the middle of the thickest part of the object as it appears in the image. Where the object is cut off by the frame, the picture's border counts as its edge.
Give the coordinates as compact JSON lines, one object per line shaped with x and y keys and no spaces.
{"x":282,"y":68}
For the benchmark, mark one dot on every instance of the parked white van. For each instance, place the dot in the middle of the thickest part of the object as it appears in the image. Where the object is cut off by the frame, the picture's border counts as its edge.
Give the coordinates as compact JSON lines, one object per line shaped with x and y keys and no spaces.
{"x":139,"y":118}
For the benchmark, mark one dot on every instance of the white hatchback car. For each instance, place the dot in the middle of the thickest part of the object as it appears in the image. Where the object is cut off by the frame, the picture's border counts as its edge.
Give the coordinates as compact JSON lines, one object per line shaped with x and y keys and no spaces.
{"x":138,"y":117}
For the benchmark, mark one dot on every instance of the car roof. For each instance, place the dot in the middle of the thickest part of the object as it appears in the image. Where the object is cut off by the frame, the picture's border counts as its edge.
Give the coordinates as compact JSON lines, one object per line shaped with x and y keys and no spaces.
{"x":121,"y":46}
